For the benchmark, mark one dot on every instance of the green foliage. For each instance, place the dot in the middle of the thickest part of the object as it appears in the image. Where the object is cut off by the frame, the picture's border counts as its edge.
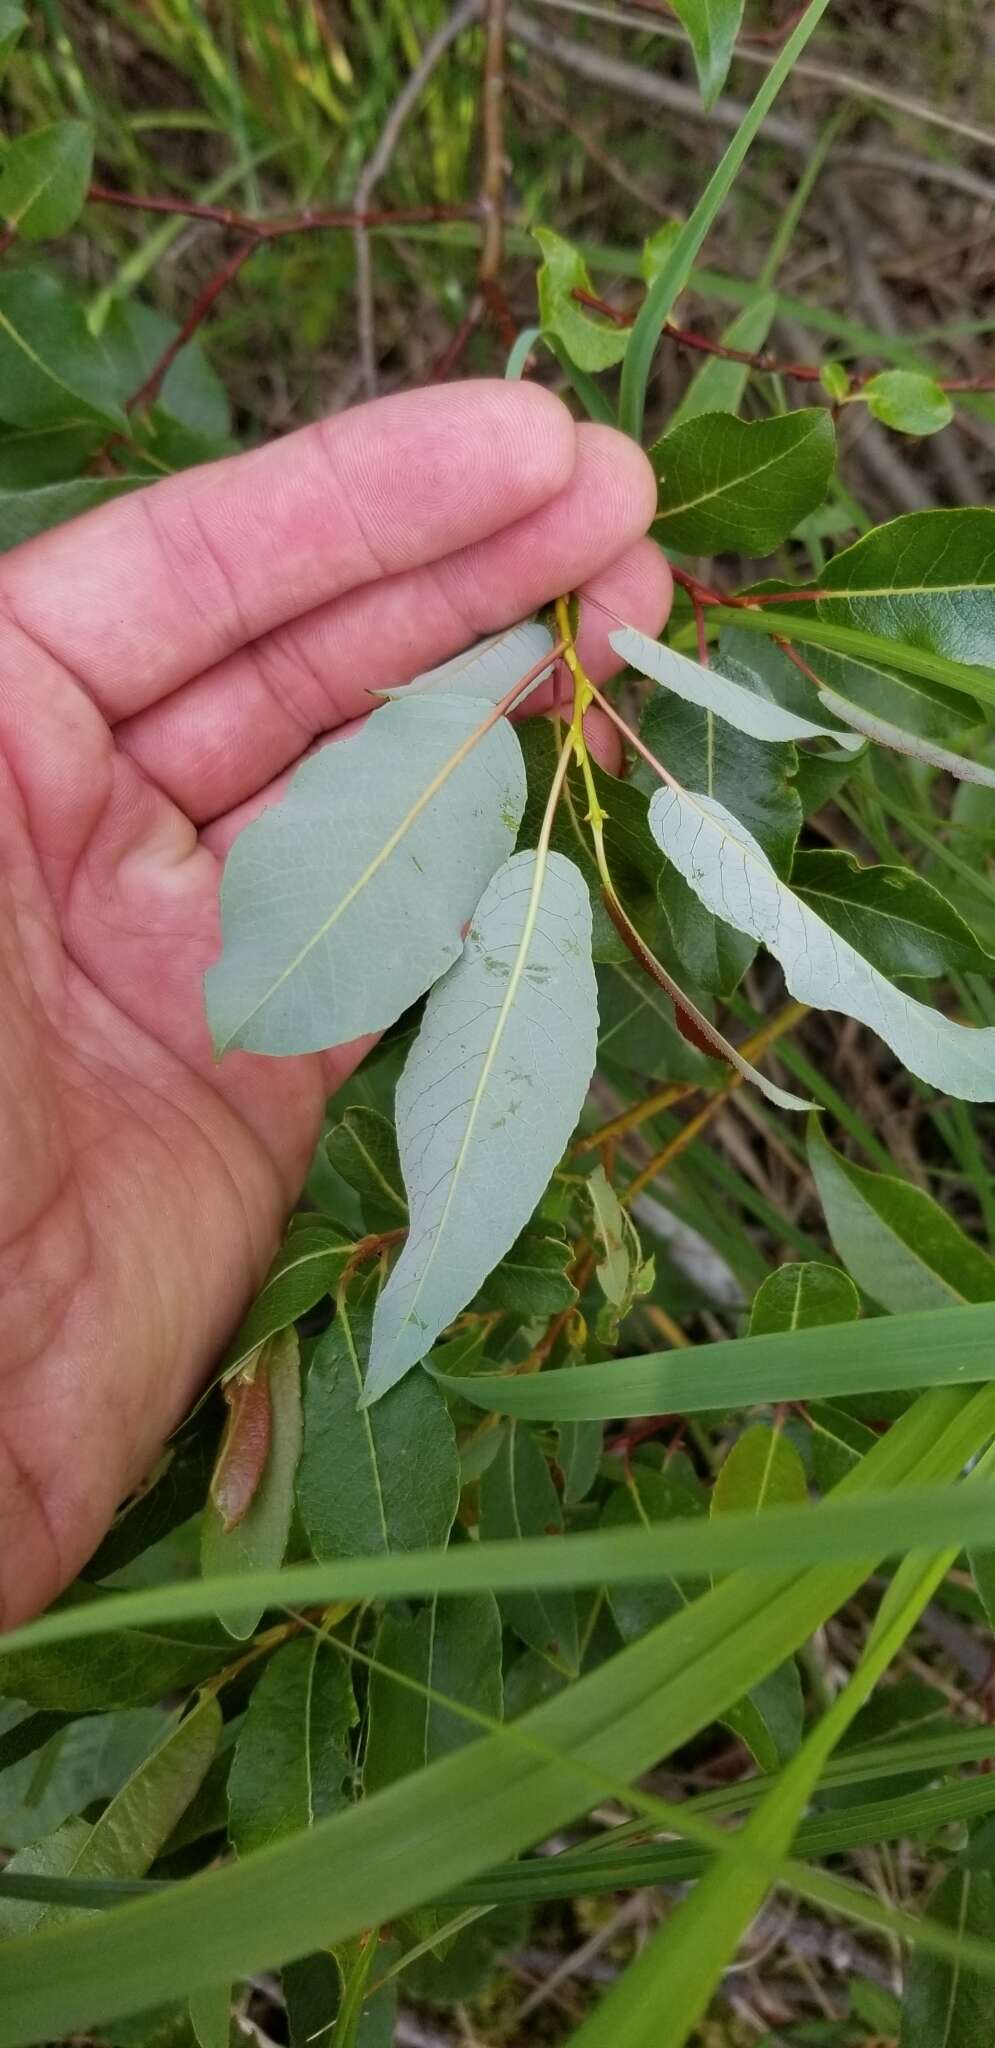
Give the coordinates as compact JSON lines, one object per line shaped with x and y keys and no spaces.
{"x":728,"y":484}
{"x":472,"y":1560}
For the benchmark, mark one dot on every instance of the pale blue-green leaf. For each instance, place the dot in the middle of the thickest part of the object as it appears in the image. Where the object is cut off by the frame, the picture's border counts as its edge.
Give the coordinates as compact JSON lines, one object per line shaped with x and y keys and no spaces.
{"x":43,"y":179}
{"x":901,"y":742}
{"x":741,"y":707}
{"x":730,"y":872}
{"x":493,"y":1087}
{"x":488,"y":670}
{"x":712,"y":27}
{"x":257,"y":1542}
{"x":344,"y":902}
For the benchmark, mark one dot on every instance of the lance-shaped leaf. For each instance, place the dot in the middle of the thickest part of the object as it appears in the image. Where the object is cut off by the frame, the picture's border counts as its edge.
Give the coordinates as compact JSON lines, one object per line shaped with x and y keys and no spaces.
{"x":734,"y":701}
{"x":363,"y":1149}
{"x":451,"y":1650}
{"x":308,"y":1265}
{"x":887,"y":735}
{"x":712,"y":27}
{"x":517,"y":1500}
{"x":900,"y":1246}
{"x":488,"y":670}
{"x":491,"y":1092}
{"x":291,"y":1757}
{"x":728,"y":483}
{"x":891,"y":914}
{"x":248,"y":1512}
{"x":733,"y":877}
{"x":927,"y":578}
{"x":343,"y":903}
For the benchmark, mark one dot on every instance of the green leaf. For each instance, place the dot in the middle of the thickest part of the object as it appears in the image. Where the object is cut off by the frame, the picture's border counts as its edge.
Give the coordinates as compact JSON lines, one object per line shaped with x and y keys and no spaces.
{"x":803,"y":1297}
{"x":890,"y":914}
{"x":51,"y":369}
{"x":907,"y":401}
{"x":579,"y":1457}
{"x":341,"y":904}
{"x":451,"y":1650}
{"x":32,"y":456}
{"x":291,"y":1757}
{"x":729,"y":484}
{"x":27,"y":1733}
{"x":492,"y":1089}
{"x":210,"y":2015}
{"x":676,"y":271}
{"x":43,"y":179}
{"x":623,"y":1275}
{"x":946,"y":2003}
{"x":900,"y":1246}
{"x":257,"y":1538}
{"x":488,"y":670}
{"x":13,"y":22}
{"x":518,"y":1499}
{"x":363,"y":1149}
{"x":134,"y":1826}
{"x":655,"y":252}
{"x":532,"y":1278}
{"x":712,"y":26}
{"x":312,"y":1989}
{"x":638,"y":1030}
{"x":718,"y":386}
{"x":725,"y":696}
{"x":649,"y":1498}
{"x":307,"y":1267}
{"x":121,"y":1670}
{"x":763,"y":1470}
{"x":372,"y":1479}
{"x":591,"y":342}
{"x":23,"y":514}
{"x":729,"y":871}
{"x":191,"y":397}
{"x":805,"y":626}
{"x":926,"y":579}
{"x":174,"y":1491}
{"x":835,"y":381}
{"x":391,"y":1853}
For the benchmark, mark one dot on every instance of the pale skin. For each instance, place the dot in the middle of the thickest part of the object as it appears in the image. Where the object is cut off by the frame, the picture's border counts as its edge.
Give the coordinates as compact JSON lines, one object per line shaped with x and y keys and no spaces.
{"x":164,"y":662}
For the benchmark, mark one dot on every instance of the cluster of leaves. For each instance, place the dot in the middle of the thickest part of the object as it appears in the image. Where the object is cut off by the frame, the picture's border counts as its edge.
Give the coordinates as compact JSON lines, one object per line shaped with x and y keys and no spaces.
{"x":331,"y":1647}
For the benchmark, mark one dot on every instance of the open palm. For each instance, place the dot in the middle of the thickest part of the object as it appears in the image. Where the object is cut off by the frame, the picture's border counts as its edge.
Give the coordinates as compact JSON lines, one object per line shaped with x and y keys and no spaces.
{"x":163,"y":663}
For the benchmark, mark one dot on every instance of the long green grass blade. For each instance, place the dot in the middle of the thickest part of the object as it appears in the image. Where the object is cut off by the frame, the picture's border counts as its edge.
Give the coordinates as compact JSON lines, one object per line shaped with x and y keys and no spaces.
{"x":673,"y":277}
{"x":932,"y":1348}
{"x":799,"y":624}
{"x":488,"y":1801}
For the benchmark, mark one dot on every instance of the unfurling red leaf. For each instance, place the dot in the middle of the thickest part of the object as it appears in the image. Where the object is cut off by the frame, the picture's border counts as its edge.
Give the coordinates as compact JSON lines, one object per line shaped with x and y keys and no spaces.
{"x":518,"y":1499}
{"x":262,"y":1500}
{"x":907,"y":401}
{"x":492,"y":1089}
{"x":43,"y":179}
{"x":731,"y":700}
{"x":344,"y":902}
{"x":927,"y":578}
{"x":488,"y":670}
{"x":900,"y":1246}
{"x":712,"y":27}
{"x":726,"y":483}
{"x":245,"y":1449}
{"x":730,"y":872}
{"x":591,"y":342}
{"x":372,"y":1480}
{"x":803,"y":1297}
{"x":291,"y":1756}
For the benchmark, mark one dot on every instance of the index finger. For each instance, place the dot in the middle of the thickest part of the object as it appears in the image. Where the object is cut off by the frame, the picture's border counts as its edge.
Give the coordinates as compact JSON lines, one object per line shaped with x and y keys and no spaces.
{"x":140,"y":595}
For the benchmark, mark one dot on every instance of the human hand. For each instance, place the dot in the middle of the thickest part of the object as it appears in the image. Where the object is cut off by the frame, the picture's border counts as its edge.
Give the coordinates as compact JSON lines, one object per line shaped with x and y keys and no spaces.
{"x":163,"y":662}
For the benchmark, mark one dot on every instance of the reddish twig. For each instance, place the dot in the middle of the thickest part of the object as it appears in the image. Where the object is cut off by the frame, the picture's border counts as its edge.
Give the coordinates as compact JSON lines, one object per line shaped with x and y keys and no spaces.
{"x":215,"y":285}
{"x":307,"y":221}
{"x":771,"y":366}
